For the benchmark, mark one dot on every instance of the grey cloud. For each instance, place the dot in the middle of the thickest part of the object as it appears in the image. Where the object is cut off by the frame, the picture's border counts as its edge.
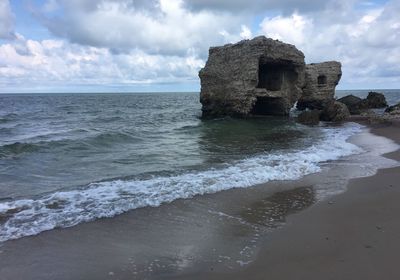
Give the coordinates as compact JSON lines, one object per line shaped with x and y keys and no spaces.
{"x":257,"y":6}
{"x":152,"y":26}
{"x":87,"y":6}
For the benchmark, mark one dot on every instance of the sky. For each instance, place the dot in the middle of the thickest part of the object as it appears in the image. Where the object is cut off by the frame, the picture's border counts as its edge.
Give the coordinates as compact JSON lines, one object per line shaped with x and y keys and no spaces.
{"x":160,"y":45}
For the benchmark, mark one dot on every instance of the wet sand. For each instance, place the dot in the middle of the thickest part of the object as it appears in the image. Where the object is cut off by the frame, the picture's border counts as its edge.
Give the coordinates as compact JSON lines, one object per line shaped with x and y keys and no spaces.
{"x":236,"y":234}
{"x":355,"y":235}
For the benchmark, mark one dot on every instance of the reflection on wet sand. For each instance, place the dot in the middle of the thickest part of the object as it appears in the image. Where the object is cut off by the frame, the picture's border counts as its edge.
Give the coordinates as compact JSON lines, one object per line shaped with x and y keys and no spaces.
{"x":272,"y":211}
{"x":213,"y":232}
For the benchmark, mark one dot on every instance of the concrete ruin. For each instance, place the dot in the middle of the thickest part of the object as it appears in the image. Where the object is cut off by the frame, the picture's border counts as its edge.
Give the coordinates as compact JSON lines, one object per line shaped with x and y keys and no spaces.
{"x":263,"y":76}
{"x":320,"y":83}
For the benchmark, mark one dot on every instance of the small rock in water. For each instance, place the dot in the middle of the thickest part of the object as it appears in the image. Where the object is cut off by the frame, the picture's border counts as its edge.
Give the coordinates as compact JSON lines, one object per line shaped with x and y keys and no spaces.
{"x":309,"y":117}
{"x":393,"y":110}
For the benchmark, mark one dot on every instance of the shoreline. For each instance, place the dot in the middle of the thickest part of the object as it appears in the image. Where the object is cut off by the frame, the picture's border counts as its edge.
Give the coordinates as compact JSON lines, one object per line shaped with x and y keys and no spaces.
{"x":354,"y":235}
{"x":165,"y":242}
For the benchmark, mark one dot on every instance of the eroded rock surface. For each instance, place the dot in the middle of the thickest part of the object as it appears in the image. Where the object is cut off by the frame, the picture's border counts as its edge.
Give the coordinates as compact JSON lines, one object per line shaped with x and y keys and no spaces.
{"x":259,"y":76}
{"x":393,"y":110}
{"x":357,"y":106}
{"x":320,"y":83}
{"x":354,"y":104}
{"x":335,"y":112}
{"x":376,"y":100}
{"x":309,"y":117}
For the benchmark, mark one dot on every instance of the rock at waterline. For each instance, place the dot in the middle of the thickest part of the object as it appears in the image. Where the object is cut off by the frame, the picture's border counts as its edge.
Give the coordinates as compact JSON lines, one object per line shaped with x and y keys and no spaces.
{"x":354,"y":104}
{"x":309,"y":117}
{"x":335,"y":112}
{"x":393,"y":110}
{"x":261,"y":76}
{"x":376,"y":100}
{"x":264,"y":77}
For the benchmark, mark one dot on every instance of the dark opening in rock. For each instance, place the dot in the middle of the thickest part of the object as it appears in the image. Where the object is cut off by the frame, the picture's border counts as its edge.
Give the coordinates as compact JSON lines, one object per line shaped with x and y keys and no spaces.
{"x":268,"y":106}
{"x":322,"y":80}
{"x":270,"y":76}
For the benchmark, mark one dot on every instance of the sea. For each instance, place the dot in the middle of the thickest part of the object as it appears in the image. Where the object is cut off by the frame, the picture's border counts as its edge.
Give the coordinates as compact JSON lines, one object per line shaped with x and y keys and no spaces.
{"x":69,"y":158}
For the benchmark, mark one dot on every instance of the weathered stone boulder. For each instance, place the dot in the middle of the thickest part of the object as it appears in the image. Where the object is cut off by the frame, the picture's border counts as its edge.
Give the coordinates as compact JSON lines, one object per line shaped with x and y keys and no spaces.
{"x":309,"y":117}
{"x":355,"y":104}
{"x":320,"y":83}
{"x":335,"y":112}
{"x":393,"y":110}
{"x":376,"y":100}
{"x":259,"y":76}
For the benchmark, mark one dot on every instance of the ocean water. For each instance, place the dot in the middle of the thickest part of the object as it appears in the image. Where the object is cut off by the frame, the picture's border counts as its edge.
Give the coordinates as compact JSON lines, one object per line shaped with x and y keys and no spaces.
{"x":72,"y":158}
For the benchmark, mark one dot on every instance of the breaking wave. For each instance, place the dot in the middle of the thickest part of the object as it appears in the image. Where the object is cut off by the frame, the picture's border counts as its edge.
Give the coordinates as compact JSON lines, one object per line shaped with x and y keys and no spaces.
{"x":26,"y":217}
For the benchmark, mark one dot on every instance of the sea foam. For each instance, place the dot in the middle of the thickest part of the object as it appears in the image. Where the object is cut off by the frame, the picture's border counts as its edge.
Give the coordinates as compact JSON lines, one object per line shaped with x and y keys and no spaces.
{"x":26,"y":217}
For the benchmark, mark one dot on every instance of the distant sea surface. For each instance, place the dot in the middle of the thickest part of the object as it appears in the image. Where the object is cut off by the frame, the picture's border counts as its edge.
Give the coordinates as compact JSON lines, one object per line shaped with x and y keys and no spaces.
{"x":71,"y":158}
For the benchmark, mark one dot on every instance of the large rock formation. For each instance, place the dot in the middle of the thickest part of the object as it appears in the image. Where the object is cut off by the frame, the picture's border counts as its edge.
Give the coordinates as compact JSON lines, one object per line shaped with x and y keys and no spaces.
{"x":259,"y":76}
{"x":321,"y":80}
{"x":265,"y":77}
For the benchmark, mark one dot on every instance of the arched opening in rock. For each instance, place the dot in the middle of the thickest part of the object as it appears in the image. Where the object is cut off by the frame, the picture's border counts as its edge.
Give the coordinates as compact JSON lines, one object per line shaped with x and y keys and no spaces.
{"x":276,"y":75}
{"x":270,"y":76}
{"x":321,"y":80}
{"x":269,"y":106}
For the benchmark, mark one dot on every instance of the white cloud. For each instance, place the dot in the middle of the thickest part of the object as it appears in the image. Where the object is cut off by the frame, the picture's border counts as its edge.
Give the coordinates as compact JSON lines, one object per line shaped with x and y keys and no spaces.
{"x":293,"y":29}
{"x":157,"y":27}
{"x":6,"y":20}
{"x":256,"y":6}
{"x":129,"y":42}
{"x":246,"y":33}
{"x":56,"y":62}
{"x":368,"y":45}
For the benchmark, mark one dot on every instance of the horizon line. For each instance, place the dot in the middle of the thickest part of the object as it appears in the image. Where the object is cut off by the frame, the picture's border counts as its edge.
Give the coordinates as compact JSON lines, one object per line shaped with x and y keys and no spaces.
{"x":136,"y":92}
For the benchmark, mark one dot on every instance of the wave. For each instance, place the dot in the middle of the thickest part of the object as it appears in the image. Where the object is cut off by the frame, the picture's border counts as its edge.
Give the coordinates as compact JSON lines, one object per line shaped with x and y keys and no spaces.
{"x":26,"y":217}
{"x":8,"y":118}
{"x":16,"y":149}
{"x":78,"y":142}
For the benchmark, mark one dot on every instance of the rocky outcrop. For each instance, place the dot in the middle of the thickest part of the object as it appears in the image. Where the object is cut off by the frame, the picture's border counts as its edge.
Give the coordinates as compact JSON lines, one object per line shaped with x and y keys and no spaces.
{"x":309,"y":117}
{"x":320,"y":83}
{"x":335,"y":111}
{"x":267,"y":77}
{"x":355,"y":104}
{"x":393,"y":110}
{"x":259,"y":76}
{"x":376,"y":100}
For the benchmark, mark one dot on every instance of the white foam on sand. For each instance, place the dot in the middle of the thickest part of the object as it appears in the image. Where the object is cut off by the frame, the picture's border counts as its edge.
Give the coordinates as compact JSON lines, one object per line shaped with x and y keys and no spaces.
{"x":106,"y":199}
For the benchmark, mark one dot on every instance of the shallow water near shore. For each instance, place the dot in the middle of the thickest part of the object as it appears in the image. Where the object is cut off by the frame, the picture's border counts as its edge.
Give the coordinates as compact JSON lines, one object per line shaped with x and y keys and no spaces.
{"x":67,"y":159}
{"x":218,"y":232}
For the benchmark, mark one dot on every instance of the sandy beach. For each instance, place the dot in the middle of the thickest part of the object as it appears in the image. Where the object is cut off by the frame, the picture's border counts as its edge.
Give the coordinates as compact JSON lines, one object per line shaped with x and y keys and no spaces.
{"x":271,"y":232}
